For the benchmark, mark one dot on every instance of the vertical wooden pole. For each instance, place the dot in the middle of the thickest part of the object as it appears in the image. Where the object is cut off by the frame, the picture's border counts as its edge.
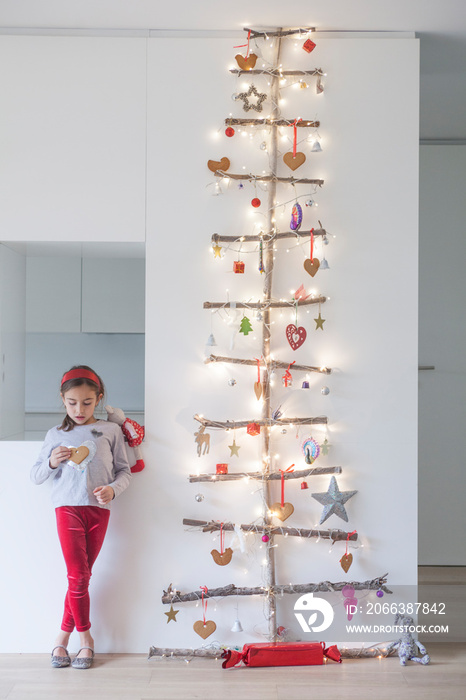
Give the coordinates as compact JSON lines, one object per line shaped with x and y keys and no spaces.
{"x":267,"y":406}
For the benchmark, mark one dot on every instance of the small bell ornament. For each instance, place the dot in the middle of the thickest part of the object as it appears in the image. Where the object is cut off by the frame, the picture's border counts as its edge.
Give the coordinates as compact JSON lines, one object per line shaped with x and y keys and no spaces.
{"x":211,"y":340}
{"x":237,"y":626}
{"x":324,"y":264}
{"x":316,"y":147}
{"x":304,"y":485}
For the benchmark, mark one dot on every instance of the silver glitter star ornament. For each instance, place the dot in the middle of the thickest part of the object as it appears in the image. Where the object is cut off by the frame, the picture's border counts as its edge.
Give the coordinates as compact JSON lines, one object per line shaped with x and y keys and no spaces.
{"x":333,"y":501}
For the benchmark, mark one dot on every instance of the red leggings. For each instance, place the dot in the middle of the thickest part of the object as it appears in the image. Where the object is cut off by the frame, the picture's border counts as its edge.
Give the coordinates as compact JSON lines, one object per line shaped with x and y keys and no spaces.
{"x":81,"y":530}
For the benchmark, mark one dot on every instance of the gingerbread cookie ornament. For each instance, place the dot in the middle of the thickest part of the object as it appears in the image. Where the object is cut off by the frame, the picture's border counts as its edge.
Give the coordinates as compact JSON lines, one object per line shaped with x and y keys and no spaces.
{"x":81,"y":456}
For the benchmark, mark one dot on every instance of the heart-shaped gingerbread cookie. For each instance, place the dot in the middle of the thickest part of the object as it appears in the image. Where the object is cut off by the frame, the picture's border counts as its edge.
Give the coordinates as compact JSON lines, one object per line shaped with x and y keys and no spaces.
{"x":79,"y":454}
{"x":311,"y":266}
{"x":222,"y":559}
{"x":282,"y":512}
{"x":293,"y":162}
{"x":246,"y":63}
{"x":204,"y":630}
{"x":215,"y":165}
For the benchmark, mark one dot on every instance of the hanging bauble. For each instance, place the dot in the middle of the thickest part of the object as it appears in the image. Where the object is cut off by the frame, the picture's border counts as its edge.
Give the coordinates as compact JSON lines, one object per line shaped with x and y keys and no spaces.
{"x":263,"y":146}
{"x":231,"y":382}
{"x":199,"y":497}
{"x":253,"y":429}
{"x":229,"y":131}
{"x":325,"y":391}
{"x":283,"y":431}
{"x":379,"y":594}
{"x":296,"y":217}
{"x":265,"y":538}
{"x":310,"y":202}
{"x":256,"y":202}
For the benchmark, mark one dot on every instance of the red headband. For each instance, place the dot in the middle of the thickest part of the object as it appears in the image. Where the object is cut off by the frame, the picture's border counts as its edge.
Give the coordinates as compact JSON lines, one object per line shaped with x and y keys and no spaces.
{"x":81,"y":374}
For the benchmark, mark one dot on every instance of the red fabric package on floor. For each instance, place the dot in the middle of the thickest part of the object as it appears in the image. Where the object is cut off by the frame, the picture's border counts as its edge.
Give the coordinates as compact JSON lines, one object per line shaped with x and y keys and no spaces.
{"x":281,"y":654}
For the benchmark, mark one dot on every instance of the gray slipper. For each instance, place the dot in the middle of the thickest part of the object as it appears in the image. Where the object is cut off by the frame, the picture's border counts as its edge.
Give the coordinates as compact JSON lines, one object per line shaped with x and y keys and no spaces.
{"x":60,"y":661}
{"x":84,"y":661}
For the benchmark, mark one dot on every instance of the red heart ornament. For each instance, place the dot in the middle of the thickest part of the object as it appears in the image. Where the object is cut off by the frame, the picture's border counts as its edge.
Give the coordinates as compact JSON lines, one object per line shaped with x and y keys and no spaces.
{"x":295,"y":336}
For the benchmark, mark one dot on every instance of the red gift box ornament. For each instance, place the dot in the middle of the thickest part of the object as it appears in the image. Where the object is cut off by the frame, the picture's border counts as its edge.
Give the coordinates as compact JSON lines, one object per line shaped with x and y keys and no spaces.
{"x":253,"y":429}
{"x":238,"y":267}
{"x":309,"y":45}
{"x":281,"y":654}
{"x":221,"y":468}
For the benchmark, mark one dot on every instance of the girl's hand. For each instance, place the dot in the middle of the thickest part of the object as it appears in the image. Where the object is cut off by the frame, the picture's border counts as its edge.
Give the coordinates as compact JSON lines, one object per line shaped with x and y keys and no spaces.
{"x":59,"y":455}
{"x":104,"y":494}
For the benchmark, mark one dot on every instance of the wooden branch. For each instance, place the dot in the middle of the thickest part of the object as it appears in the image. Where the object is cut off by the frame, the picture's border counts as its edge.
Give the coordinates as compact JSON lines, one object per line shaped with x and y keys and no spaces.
{"x":262,"y":304}
{"x":279,"y":32}
{"x":334,"y":535}
{"x":363,"y":652}
{"x":306,"y":123}
{"x":375,"y":584}
{"x":277,"y":72}
{"x":236,"y":476}
{"x":231,"y":425}
{"x":269,"y":178}
{"x":217,"y":238}
{"x":273,"y":364}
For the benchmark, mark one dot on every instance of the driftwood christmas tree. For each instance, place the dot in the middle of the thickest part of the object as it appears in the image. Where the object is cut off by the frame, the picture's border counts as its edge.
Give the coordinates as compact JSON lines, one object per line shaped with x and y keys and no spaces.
{"x":268,"y":529}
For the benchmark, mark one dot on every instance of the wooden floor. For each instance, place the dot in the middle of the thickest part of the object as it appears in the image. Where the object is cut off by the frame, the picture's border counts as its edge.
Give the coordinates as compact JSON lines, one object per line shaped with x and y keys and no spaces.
{"x":135,"y":677}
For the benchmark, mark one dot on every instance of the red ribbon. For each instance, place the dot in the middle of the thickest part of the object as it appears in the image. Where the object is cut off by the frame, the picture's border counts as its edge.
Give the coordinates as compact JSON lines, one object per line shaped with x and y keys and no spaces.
{"x":287,"y":376}
{"x":295,"y":135}
{"x":258,"y":368}
{"x":349,"y":535}
{"x":312,"y":244}
{"x":204,"y":589}
{"x":222,"y":539}
{"x":283,"y":472}
{"x":243,"y":45}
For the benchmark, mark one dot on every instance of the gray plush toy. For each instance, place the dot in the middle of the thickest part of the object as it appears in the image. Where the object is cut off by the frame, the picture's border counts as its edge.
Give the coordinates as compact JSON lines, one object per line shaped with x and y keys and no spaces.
{"x":407,"y":646}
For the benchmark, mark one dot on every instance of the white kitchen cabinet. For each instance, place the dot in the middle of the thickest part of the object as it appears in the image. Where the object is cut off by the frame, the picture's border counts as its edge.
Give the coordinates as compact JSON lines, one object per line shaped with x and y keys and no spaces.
{"x":113,"y":295}
{"x":53,"y":294}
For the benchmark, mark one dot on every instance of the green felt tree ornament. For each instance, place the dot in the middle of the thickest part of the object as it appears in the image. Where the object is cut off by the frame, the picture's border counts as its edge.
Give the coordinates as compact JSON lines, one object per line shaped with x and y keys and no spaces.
{"x":245,"y":326}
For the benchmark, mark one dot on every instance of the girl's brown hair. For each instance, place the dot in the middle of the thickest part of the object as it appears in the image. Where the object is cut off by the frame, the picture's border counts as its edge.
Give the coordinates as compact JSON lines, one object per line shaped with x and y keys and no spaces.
{"x":68,"y":423}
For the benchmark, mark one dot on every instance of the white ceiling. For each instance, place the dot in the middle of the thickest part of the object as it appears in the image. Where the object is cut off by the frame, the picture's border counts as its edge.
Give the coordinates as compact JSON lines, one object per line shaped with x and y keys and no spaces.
{"x":439,"y":24}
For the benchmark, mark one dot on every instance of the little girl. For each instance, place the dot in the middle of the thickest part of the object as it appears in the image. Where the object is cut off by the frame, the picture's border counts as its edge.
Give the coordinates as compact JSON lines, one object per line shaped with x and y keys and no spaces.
{"x":86,"y":460}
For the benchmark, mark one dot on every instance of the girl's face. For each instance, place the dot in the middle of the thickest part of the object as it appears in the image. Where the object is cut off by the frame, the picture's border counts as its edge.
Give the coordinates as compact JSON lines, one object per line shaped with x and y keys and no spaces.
{"x":80,"y":403}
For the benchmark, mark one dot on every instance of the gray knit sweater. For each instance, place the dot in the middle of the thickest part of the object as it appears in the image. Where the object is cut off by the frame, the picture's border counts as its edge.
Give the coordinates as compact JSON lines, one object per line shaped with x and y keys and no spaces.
{"x":106,"y":464}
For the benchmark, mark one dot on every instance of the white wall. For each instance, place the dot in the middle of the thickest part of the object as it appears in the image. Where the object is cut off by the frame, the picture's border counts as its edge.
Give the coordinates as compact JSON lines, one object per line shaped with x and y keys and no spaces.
{"x":442,"y":338}
{"x":370,"y":135}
